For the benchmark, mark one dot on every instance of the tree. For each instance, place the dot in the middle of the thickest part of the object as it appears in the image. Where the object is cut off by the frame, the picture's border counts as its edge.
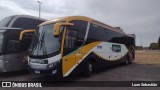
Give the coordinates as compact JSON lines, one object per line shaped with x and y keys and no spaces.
{"x":139,"y":48}
{"x":153,"y":46}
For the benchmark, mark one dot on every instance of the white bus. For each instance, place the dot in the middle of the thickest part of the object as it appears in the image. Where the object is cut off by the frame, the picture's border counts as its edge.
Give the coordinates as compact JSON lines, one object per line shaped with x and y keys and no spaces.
{"x":74,"y":44}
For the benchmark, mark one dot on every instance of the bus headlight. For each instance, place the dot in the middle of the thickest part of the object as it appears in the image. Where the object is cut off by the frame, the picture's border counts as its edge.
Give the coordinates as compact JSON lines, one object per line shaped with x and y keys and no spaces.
{"x":54,"y":71}
{"x":50,"y":65}
{"x":54,"y":64}
{"x":42,"y":61}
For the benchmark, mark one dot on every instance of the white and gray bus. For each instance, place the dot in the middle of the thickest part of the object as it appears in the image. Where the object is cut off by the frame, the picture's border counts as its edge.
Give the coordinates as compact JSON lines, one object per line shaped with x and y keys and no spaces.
{"x":16,"y":34}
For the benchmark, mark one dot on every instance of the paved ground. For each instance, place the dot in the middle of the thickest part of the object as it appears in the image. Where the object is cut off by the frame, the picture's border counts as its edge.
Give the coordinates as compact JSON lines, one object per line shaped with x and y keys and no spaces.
{"x":132,"y":72}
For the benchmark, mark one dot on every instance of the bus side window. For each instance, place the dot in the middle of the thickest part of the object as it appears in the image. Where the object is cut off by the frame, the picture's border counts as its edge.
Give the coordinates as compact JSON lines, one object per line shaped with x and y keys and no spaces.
{"x":116,"y":48}
{"x":70,"y":41}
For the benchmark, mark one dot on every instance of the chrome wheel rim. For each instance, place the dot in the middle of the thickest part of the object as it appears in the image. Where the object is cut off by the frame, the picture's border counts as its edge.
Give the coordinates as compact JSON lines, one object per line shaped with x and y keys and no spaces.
{"x":127,"y":62}
{"x":90,"y":67}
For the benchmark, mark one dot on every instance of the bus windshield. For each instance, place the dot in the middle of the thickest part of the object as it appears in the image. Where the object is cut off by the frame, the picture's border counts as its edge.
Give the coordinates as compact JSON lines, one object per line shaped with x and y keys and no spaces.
{"x":1,"y":39}
{"x":5,"y":22}
{"x":44,"y":42}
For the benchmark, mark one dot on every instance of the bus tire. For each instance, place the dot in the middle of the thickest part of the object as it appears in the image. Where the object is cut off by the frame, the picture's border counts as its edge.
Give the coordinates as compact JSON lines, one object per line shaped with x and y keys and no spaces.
{"x":128,"y":61}
{"x":88,"y":69}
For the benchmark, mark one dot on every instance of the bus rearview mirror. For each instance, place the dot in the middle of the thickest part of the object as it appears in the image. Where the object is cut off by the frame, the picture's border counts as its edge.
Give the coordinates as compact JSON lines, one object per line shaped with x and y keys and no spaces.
{"x":25,"y":31}
{"x":57,"y":27}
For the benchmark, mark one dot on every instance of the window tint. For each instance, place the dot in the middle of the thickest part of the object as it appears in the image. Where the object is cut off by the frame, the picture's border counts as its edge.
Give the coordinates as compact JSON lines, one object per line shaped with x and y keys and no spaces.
{"x":26,"y":23}
{"x":97,"y":33}
{"x":26,"y":40}
{"x":5,"y":22}
{"x":1,"y":39}
{"x":81,"y":27}
{"x":44,"y":43}
{"x":70,"y":40}
{"x":116,"y":48}
{"x":12,"y":44}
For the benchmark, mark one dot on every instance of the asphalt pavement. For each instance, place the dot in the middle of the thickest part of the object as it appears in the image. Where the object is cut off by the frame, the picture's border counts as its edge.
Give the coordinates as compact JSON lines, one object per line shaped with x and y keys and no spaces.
{"x":132,"y":72}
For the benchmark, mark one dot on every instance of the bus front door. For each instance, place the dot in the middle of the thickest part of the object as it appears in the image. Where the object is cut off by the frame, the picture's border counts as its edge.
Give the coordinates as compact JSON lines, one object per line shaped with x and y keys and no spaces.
{"x":69,"y":59}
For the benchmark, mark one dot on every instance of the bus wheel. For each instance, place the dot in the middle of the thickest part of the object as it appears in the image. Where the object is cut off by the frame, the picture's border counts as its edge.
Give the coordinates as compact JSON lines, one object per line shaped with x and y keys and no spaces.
{"x":127,"y":61}
{"x":89,"y":69}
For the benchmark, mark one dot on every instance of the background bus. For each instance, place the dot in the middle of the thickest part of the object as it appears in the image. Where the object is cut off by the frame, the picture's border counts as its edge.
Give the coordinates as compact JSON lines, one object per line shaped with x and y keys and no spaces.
{"x":12,"y":50}
{"x":78,"y":44}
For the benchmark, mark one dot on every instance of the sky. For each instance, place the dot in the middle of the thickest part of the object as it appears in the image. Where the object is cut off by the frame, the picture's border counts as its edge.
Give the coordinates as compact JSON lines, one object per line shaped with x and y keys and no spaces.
{"x":139,"y":17}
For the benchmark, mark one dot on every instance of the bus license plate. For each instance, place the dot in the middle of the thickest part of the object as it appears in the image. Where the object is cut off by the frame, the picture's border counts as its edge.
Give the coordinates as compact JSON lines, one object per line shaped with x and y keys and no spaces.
{"x":37,"y":71}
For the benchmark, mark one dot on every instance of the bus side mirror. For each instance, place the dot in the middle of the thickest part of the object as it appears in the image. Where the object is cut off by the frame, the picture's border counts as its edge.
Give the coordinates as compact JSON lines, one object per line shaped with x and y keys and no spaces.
{"x":57,"y":27}
{"x":14,"y":46}
{"x":25,"y":31}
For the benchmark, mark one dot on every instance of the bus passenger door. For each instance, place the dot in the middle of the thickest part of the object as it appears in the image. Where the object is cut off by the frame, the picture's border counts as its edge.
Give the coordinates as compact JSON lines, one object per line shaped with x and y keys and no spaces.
{"x":69,"y":59}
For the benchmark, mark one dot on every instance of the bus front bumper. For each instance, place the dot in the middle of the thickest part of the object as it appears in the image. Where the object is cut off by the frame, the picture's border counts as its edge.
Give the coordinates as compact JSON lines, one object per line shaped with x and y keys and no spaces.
{"x":44,"y":70}
{"x":2,"y":66}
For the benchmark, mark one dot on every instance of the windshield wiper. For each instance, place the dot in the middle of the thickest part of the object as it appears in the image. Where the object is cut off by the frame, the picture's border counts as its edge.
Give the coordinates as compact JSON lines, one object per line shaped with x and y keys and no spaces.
{"x":40,"y":41}
{"x":43,"y":46}
{"x":35,"y":42}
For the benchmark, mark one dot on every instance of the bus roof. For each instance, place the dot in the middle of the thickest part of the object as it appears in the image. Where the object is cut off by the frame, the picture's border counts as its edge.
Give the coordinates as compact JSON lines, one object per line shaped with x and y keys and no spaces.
{"x":84,"y":18}
{"x":28,"y":16}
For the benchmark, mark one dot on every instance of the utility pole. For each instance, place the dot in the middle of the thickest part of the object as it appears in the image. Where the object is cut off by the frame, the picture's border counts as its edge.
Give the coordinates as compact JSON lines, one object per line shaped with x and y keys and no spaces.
{"x":39,"y":8}
{"x":141,"y":39}
{"x":141,"y":42}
